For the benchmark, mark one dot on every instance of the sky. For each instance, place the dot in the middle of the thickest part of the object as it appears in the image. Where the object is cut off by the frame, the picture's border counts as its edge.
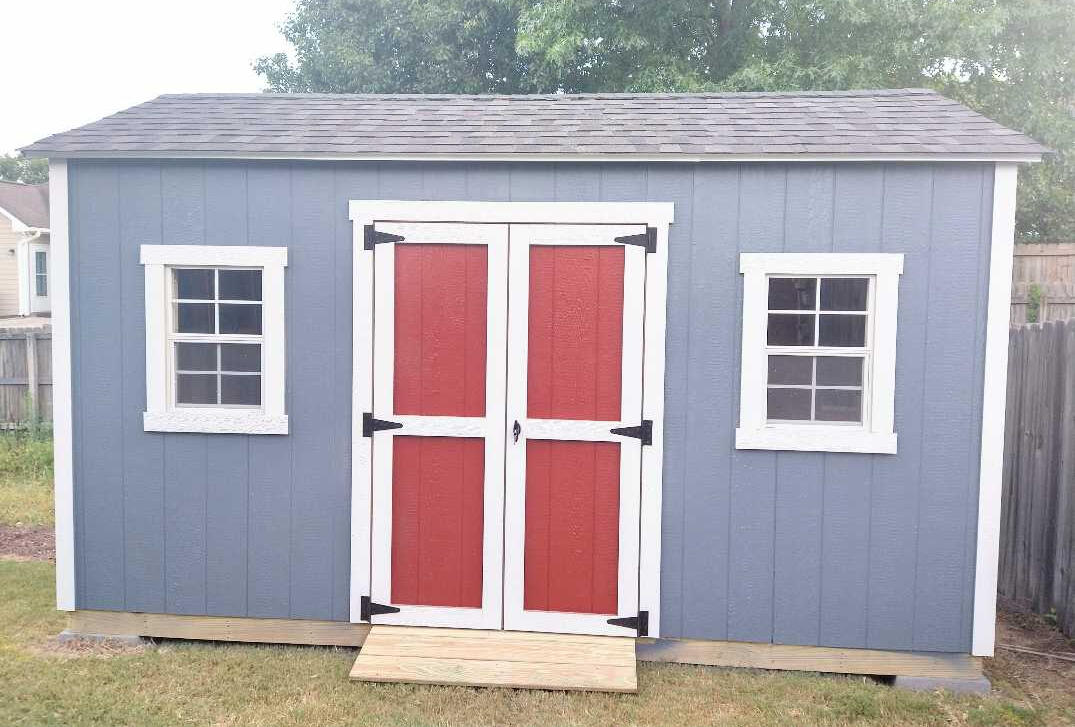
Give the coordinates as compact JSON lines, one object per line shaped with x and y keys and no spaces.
{"x":68,"y":62}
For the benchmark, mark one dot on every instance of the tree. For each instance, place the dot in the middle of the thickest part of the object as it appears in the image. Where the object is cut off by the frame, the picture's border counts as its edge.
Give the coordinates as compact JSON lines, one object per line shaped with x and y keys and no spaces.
{"x":1013,"y":60}
{"x":21,"y":169}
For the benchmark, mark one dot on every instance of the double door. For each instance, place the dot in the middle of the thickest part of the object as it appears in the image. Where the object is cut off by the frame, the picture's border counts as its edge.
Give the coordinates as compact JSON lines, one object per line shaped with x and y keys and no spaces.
{"x":506,"y":426}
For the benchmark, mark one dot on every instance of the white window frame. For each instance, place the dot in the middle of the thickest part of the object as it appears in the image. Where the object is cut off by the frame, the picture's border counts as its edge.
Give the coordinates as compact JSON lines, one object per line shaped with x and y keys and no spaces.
{"x":162,"y":414}
{"x":876,"y":432}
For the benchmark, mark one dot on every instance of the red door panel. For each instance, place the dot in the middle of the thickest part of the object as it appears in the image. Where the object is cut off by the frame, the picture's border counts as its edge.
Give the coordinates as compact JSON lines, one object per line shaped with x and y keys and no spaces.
{"x":571,"y":558}
{"x":437,"y":519}
{"x":440,"y":322}
{"x":575,"y":332}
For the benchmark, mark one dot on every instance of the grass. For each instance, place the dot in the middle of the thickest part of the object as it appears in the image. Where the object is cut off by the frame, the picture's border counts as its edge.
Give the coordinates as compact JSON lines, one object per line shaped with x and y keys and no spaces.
{"x":26,"y":478}
{"x":46,"y":683}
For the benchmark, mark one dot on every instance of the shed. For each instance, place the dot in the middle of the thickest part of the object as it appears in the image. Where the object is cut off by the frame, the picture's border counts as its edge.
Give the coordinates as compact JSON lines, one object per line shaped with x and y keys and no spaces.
{"x":724,"y":373}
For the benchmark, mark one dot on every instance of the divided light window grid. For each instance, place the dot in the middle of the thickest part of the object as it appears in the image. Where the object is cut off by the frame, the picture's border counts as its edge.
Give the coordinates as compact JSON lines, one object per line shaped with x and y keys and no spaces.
{"x":818,"y":349}
{"x":41,"y":274}
{"x":216,"y":336}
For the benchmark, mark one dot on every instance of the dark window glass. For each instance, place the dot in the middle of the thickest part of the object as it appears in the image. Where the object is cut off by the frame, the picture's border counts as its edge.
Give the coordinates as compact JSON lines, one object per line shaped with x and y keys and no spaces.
{"x":240,"y":318}
{"x":240,"y":390}
{"x":192,"y":284}
{"x":839,"y":371}
{"x":195,"y":356}
{"x":792,"y":293}
{"x":844,"y":293}
{"x":791,"y":370}
{"x":240,"y":357}
{"x":240,"y":285}
{"x":838,"y":405}
{"x":788,"y":404}
{"x":196,"y":389}
{"x":194,"y":318}
{"x":837,"y":330}
{"x":789,"y":329}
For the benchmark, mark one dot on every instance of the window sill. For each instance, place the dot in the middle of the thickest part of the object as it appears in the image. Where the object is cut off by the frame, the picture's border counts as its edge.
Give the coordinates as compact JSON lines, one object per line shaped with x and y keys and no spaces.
{"x":215,"y":421}
{"x":816,"y":439}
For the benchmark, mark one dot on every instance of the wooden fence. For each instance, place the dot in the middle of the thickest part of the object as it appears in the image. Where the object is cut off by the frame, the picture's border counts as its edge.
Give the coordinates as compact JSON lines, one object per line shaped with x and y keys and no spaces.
{"x":1043,"y":283}
{"x":25,"y":376}
{"x":1037,"y":544}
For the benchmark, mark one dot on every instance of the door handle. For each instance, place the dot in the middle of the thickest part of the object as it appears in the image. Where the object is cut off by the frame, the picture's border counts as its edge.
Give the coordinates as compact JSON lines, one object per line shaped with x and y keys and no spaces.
{"x":516,"y":430}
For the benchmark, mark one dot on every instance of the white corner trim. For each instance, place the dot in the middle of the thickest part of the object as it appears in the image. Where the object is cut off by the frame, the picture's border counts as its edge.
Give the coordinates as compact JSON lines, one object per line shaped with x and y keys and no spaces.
{"x":161,"y":414}
{"x":364,"y":212}
{"x":994,"y":397}
{"x":62,"y":418}
{"x":215,"y":421}
{"x":876,"y":435}
{"x":236,"y":255}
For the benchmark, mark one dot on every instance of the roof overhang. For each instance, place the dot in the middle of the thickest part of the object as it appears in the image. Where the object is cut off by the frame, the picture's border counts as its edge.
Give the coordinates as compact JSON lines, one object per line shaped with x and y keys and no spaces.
{"x":18,"y":225}
{"x":668,"y":157}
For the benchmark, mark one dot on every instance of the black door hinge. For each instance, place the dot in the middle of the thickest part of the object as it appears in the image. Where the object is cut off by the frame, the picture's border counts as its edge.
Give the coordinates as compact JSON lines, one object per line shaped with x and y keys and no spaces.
{"x":643,"y":431}
{"x":371,"y":609}
{"x":647,"y":239}
{"x":639,"y":623}
{"x":371,"y":425}
{"x":371,"y":237}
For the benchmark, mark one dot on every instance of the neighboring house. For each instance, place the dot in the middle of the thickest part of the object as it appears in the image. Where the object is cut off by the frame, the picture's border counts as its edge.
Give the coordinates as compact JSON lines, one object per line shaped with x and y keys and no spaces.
{"x":24,"y":249}
{"x":702,"y":368}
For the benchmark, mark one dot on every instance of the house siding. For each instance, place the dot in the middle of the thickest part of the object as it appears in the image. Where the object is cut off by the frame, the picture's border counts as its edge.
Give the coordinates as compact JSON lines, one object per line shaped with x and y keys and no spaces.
{"x":9,"y":269}
{"x":797,"y":548}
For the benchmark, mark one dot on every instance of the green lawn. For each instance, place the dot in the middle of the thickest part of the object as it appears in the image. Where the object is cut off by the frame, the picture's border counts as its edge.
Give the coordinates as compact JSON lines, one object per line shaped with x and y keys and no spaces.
{"x":26,"y":478}
{"x":178,"y":683}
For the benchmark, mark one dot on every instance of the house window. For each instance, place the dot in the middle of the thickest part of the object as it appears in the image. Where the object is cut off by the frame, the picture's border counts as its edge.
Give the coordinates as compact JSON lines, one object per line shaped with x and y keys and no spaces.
{"x":41,"y":273}
{"x":819,"y":344}
{"x":214,"y":339}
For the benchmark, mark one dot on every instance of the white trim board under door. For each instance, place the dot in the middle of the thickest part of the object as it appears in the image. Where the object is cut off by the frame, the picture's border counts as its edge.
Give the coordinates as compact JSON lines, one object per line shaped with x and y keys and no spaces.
{"x":516,"y":616}
{"x":490,"y":427}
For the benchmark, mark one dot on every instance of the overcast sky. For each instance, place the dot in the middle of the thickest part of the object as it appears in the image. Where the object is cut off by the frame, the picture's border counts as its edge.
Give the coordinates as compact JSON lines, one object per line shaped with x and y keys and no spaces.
{"x":68,"y":62}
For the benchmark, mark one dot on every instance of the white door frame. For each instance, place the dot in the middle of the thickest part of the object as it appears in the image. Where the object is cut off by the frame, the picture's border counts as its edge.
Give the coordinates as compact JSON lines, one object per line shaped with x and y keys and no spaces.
{"x":516,"y":617}
{"x":658,"y":215}
{"x":490,"y":427}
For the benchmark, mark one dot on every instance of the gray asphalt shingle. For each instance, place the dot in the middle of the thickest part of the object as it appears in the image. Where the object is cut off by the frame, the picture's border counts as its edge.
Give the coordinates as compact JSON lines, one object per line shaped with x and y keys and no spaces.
{"x":889,"y":122}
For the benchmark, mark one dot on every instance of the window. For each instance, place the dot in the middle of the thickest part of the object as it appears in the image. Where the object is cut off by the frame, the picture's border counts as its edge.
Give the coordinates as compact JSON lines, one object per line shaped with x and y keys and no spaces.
{"x":214,"y":339}
{"x":818,"y":352}
{"x":41,"y":273}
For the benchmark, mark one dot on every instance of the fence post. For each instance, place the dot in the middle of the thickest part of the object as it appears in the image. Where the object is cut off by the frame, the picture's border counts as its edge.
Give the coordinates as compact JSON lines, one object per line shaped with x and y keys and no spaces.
{"x":31,"y":375}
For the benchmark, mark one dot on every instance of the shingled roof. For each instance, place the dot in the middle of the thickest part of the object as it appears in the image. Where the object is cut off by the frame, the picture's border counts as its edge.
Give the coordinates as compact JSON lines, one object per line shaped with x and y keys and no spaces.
{"x":28,"y":203}
{"x":906,"y":123}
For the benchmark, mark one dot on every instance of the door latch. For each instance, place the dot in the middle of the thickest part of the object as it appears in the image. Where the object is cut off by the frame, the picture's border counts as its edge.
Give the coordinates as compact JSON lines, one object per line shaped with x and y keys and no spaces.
{"x":516,"y":430}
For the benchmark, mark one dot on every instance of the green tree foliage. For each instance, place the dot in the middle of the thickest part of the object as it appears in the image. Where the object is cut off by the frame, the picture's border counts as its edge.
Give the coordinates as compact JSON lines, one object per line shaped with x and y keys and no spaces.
{"x":1013,"y":60}
{"x":21,"y":169}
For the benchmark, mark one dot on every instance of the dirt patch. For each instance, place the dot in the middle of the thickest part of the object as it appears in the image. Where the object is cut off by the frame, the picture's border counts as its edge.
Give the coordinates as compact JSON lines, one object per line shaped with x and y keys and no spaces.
{"x":1039,"y":677}
{"x":21,"y":543}
{"x":77,"y":648}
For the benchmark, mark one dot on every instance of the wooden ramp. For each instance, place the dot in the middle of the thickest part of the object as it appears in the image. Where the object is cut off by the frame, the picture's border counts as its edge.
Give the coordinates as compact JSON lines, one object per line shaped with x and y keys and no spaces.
{"x":497,"y":659}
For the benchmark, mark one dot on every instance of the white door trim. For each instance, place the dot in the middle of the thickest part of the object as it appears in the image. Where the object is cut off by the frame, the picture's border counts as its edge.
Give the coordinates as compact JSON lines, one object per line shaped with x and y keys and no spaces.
{"x":516,"y":617}
{"x":654,"y":214}
{"x":490,"y":427}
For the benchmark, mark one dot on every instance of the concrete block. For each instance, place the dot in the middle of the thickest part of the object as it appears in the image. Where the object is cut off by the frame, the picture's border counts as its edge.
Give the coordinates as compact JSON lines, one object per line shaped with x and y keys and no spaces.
{"x":975,"y":685}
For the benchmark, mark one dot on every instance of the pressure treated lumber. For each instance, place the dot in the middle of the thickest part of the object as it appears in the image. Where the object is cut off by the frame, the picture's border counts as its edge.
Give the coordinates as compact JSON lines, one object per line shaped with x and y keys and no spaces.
{"x":497,"y":659}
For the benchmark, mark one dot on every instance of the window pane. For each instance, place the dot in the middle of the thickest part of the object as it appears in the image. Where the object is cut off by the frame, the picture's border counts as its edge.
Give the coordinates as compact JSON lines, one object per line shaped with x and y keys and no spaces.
{"x":837,"y":405}
{"x":240,"y":285}
{"x":196,"y":389}
{"x":837,"y":330}
{"x":41,"y":285}
{"x":40,"y":262}
{"x":839,"y":371}
{"x":788,"y":404}
{"x":792,"y":293}
{"x":194,"y":318}
{"x":240,"y":390}
{"x":195,"y":356}
{"x":844,"y":293}
{"x":240,"y":319}
{"x":788,"y":329}
{"x":791,"y":370}
{"x":240,"y":357}
{"x":194,"y":284}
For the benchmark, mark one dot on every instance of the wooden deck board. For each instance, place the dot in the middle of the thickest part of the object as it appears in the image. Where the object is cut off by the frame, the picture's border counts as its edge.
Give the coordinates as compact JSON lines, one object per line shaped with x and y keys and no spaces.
{"x":497,"y":659}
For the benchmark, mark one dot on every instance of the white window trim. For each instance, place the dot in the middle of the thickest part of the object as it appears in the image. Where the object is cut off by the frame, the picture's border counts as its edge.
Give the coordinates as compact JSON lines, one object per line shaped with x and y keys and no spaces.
{"x":161,"y":414}
{"x":876,"y":435}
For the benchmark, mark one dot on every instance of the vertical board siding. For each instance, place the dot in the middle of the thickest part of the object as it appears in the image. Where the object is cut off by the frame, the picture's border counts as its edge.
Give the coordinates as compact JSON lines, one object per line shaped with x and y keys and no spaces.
{"x":802,"y":548}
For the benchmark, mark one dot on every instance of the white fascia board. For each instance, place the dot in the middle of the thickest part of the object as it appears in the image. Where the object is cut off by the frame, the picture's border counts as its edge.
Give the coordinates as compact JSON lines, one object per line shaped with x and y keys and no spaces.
{"x":364,"y":212}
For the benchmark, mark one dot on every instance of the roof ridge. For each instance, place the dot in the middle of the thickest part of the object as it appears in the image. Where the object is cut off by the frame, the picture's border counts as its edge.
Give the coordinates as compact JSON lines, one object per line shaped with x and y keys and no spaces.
{"x":848,"y":93}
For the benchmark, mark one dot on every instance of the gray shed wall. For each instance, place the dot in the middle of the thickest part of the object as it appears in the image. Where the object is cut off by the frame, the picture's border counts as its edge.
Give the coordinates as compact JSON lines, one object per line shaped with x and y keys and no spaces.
{"x":797,"y":548}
